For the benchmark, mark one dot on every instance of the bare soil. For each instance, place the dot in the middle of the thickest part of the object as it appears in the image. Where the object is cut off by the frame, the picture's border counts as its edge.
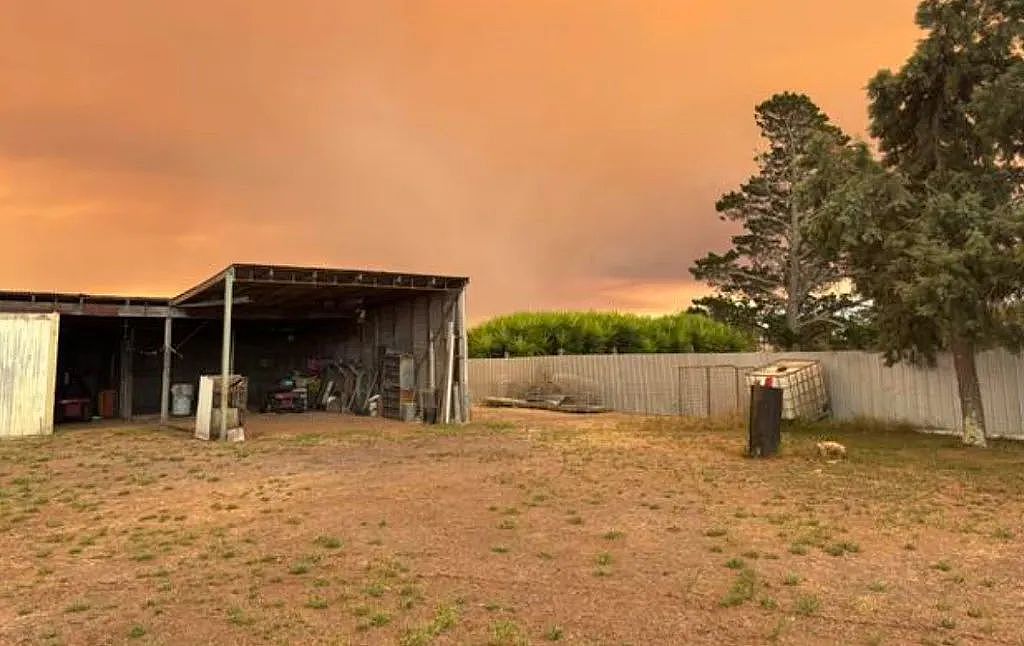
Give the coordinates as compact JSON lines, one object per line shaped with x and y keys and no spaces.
{"x":524,"y":527}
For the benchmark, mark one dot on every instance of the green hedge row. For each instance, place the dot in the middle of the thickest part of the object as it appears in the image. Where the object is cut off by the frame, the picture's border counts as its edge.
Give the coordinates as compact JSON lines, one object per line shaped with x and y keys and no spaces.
{"x":545,"y":333}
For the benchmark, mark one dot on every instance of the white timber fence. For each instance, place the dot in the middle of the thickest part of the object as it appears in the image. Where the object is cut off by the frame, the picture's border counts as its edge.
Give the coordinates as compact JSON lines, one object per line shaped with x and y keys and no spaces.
{"x":860,"y":385}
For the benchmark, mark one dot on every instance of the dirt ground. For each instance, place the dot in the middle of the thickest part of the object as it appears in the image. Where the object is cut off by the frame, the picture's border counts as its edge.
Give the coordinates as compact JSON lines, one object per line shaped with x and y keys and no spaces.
{"x":525,"y":527}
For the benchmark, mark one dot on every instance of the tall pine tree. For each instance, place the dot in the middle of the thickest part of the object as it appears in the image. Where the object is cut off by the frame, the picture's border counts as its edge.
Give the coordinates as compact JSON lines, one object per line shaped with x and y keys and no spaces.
{"x":936,"y":238}
{"x":774,"y":273}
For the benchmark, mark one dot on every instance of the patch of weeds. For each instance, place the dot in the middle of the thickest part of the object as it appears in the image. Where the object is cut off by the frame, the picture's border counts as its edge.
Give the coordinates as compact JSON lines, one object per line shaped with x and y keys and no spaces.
{"x":445,"y":618}
{"x":841,"y":548}
{"x":317,"y":603}
{"x":776,"y":632}
{"x":791,"y":579}
{"x":500,"y":549}
{"x":948,"y":623}
{"x":300,"y":567}
{"x":380,"y":619}
{"x":742,"y":589}
{"x":554,"y":634}
{"x":238,"y":617}
{"x":78,"y":606}
{"x":328,"y":542}
{"x":975,"y":612}
{"x":735,"y":563}
{"x":807,"y":605}
{"x":798,"y":548}
{"x":507,"y":633}
{"x":716,"y":549}
{"x":878,"y":586}
{"x":613,"y":535}
{"x":574,"y":520}
{"x":375,"y":589}
{"x":604,"y":558}
{"x":410,"y":594}
{"x":508,"y":523}
{"x":1002,"y":534}
{"x":942,"y":566}
{"x":768,"y":603}
{"x":715,"y":532}
{"x":136,"y":632}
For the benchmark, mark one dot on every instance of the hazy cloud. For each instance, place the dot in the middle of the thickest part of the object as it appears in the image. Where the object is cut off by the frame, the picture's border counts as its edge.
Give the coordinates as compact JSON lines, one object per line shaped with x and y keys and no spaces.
{"x":561,"y":154}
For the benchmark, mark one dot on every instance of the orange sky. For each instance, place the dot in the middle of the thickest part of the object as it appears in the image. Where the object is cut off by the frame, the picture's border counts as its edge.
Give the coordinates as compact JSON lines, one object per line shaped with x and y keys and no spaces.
{"x":563,"y":154}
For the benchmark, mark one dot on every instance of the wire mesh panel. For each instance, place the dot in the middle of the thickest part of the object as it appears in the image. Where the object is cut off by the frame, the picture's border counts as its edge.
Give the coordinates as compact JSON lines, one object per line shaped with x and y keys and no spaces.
{"x":711,"y":391}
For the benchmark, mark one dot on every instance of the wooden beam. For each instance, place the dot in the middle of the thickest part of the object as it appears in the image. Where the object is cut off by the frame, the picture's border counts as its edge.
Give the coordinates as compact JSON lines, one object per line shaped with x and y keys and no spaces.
{"x":165,"y":377}
{"x":446,"y":405}
{"x":209,"y":283}
{"x":225,"y":353}
{"x":216,"y":302}
{"x":85,"y":308}
{"x":463,"y":356}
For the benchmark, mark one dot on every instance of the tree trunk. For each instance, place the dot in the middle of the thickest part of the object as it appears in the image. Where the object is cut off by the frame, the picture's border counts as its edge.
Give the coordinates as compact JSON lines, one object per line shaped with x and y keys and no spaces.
{"x":793,"y":284}
{"x":971,"y":409}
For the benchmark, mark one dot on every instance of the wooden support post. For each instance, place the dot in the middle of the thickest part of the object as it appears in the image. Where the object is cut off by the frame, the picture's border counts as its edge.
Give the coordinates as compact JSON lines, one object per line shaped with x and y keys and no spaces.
{"x":463,"y":358}
{"x":165,"y":379}
{"x":126,"y":380}
{"x":225,"y":352}
{"x":446,"y":404}
{"x":431,"y":363}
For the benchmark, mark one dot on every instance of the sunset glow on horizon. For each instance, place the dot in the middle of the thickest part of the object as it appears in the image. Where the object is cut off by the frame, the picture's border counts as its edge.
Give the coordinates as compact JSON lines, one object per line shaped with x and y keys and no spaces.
{"x":563,"y":155}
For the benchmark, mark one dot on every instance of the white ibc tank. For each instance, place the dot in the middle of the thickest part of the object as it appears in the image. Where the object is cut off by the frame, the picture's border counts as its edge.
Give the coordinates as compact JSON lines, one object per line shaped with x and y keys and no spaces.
{"x":181,"y":399}
{"x":802,"y":382}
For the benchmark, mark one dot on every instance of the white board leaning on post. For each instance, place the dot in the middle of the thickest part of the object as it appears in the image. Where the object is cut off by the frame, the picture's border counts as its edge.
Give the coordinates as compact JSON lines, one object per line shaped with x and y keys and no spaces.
{"x":208,"y":408}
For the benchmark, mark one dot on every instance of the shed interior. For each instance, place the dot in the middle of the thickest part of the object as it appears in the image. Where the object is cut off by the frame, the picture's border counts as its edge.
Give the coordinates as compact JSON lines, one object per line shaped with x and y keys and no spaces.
{"x":282,"y":324}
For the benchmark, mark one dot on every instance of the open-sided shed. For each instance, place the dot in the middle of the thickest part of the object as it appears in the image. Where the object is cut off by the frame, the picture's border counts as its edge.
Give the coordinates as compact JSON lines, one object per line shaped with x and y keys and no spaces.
{"x":261,"y":321}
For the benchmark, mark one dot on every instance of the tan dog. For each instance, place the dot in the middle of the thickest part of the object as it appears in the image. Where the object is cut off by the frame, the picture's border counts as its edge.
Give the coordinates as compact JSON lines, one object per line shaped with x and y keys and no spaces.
{"x":831,"y":450}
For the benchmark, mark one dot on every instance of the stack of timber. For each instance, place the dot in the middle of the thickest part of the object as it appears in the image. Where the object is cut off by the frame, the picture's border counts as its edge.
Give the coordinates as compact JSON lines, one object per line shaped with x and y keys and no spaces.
{"x":556,"y":403}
